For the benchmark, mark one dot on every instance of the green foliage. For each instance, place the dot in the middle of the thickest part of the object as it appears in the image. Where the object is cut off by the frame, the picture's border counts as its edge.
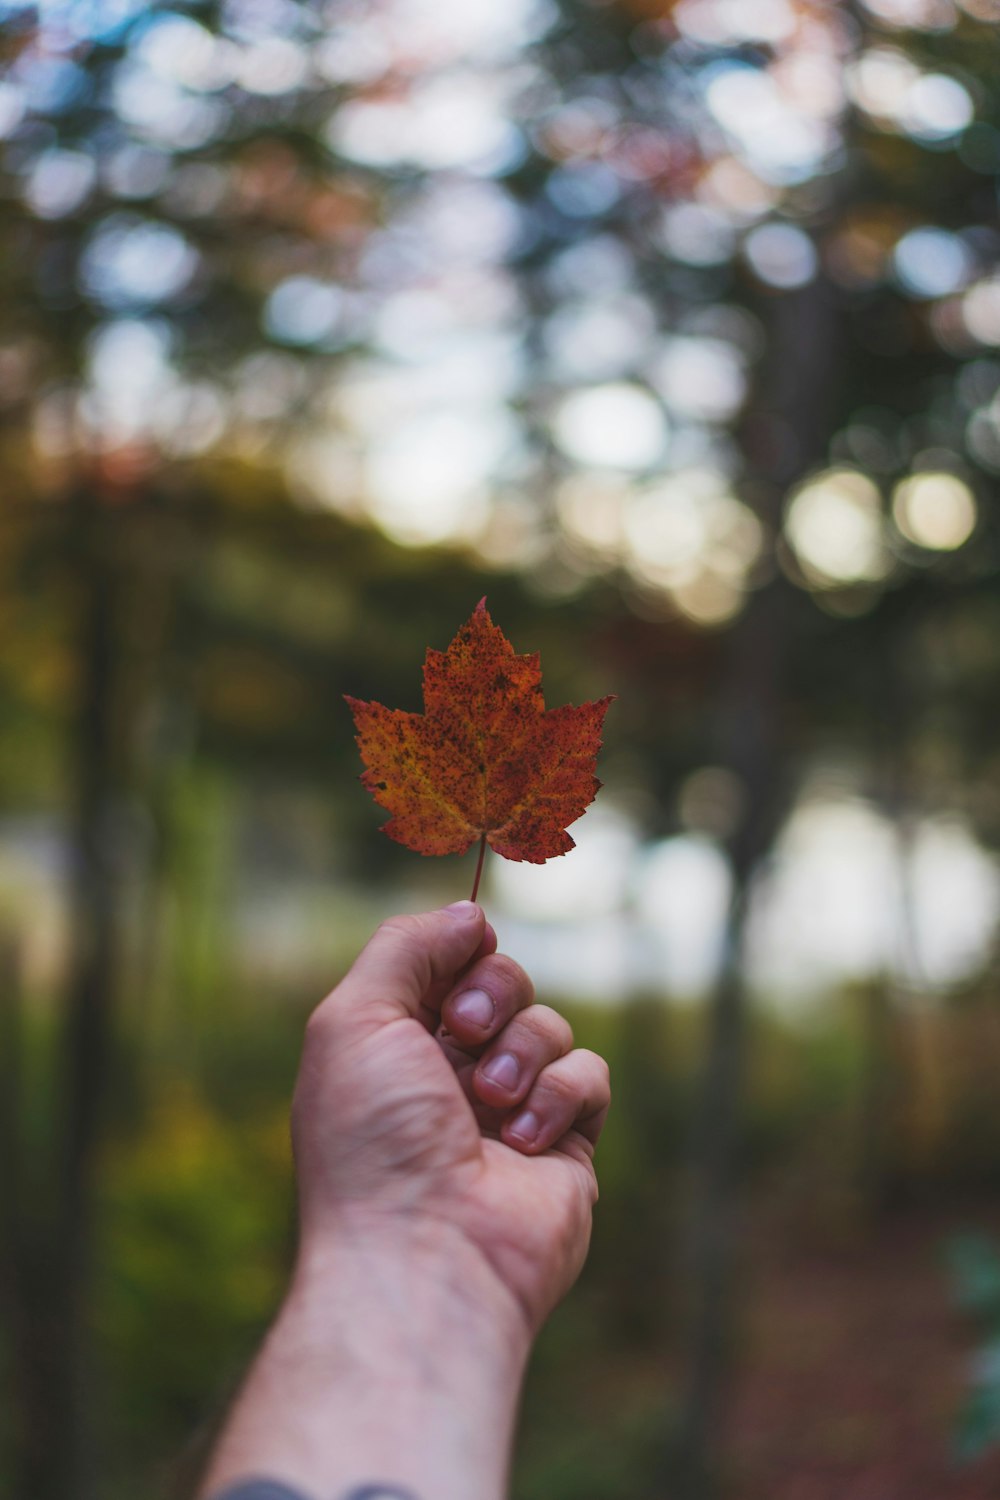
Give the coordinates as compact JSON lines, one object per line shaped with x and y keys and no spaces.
{"x":609,"y":1452}
{"x":975,"y":1269}
{"x":194,"y":1247}
{"x":974,"y":1262}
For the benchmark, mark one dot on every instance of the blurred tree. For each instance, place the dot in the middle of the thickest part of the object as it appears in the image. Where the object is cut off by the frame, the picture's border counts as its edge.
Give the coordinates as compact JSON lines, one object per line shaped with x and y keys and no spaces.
{"x":686,"y":311}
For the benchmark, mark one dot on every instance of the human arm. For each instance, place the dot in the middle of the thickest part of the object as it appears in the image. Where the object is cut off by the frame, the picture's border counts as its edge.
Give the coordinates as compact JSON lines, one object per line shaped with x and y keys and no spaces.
{"x":434,"y":1239}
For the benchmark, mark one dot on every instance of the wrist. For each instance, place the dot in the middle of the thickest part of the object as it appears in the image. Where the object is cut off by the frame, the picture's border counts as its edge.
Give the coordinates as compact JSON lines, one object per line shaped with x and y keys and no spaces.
{"x":419,"y":1279}
{"x":396,"y":1356}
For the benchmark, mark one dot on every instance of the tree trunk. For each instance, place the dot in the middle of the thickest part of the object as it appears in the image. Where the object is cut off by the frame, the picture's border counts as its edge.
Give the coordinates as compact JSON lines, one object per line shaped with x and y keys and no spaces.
{"x":787,"y":433}
{"x":85,"y":1031}
{"x":755,"y":757}
{"x":14,"y":1224}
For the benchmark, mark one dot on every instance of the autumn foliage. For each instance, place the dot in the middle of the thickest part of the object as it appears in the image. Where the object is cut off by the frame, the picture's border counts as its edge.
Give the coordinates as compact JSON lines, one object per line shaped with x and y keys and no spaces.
{"x":486,"y":760}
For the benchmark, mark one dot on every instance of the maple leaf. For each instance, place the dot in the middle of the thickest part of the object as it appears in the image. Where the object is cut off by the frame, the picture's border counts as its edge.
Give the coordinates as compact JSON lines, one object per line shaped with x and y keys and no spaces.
{"x":486,"y":760}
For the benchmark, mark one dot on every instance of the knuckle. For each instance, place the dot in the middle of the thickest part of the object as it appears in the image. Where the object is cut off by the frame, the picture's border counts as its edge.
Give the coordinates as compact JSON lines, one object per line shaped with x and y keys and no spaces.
{"x":318,"y":1022}
{"x":597,"y":1067}
{"x":590,"y":1189}
{"x":562,"y":1089}
{"x":408,"y":935}
{"x":551,"y":1026}
{"x":509,"y":973}
{"x":398,"y":928}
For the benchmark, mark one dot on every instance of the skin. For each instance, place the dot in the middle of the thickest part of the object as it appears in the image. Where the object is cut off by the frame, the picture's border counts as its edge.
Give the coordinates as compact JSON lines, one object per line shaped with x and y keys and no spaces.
{"x":444,"y":1129}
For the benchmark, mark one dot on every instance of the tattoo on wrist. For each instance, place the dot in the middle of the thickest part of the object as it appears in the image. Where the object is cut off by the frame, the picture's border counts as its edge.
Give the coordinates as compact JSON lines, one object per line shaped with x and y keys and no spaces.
{"x":261,"y":1489}
{"x":379,"y":1492}
{"x":270,"y":1489}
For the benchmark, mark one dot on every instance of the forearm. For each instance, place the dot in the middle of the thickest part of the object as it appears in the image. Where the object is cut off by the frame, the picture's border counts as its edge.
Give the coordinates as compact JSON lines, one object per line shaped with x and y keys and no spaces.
{"x":390,"y":1363}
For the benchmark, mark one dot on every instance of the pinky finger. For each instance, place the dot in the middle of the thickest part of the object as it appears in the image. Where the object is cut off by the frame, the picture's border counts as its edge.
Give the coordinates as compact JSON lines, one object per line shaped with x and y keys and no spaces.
{"x":571,"y":1094}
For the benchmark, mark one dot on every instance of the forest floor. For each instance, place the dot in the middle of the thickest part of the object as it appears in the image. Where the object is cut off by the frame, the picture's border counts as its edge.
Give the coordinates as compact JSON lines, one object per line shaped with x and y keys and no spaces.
{"x":852,"y":1369}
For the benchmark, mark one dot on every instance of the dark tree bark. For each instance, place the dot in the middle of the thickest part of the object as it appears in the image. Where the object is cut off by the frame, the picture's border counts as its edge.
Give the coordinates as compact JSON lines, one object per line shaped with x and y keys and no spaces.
{"x":15,"y":1248}
{"x":787,"y":433}
{"x":120,"y":562}
{"x":89,"y":1003}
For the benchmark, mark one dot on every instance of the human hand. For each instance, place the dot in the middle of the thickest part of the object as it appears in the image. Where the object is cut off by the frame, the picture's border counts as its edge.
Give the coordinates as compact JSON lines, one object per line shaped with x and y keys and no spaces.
{"x":437,"y":1228}
{"x":441,"y":1113}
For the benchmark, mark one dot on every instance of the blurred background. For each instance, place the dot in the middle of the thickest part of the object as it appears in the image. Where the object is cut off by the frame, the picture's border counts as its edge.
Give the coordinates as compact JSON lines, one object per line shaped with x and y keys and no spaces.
{"x":673,"y":328}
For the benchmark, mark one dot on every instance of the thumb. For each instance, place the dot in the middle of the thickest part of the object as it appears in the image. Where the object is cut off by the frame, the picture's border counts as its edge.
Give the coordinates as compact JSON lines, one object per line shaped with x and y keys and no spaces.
{"x":410,"y":963}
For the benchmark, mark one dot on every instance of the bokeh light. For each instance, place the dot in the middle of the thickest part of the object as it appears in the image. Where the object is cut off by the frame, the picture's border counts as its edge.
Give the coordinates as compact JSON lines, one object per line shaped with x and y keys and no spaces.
{"x":837,"y":889}
{"x":834,"y":523}
{"x":981,"y":310}
{"x":933,"y":108}
{"x":923,"y":15}
{"x":689,"y":536}
{"x":931,"y":262}
{"x":303,"y":310}
{"x":935,"y":510}
{"x":702,"y":378}
{"x":427,"y":478}
{"x":782,"y":255}
{"x":619,"y":426}
{"x":134,"y":263}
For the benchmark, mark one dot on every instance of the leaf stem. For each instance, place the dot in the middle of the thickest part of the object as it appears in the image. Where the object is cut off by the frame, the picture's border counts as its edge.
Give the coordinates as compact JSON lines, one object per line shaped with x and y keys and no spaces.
{"x":479,"y":868}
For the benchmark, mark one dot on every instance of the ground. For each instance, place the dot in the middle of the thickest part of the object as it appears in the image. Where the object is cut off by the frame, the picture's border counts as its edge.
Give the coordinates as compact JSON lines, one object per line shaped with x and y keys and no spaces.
{"x":851,"y":1369}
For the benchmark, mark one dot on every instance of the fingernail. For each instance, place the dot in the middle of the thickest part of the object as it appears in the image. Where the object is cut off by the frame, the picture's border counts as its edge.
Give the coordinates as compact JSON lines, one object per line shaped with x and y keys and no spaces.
{"x":463,"y":910}
{"x":474,"y":1007}
{"x":525,"y":1127}
{"x":503,"y":1070}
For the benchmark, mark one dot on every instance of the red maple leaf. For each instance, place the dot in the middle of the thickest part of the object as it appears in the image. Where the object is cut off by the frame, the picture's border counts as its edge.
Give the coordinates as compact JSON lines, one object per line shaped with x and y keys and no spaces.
{"x":486,"y":759}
